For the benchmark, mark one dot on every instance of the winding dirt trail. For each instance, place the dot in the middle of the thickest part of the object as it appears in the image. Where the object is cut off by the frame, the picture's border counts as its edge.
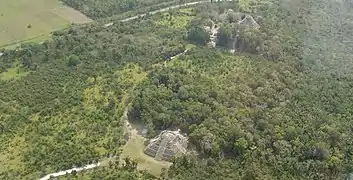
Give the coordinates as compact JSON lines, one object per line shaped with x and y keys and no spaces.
{"x":124,"y":116}
{"x":164,"y":10}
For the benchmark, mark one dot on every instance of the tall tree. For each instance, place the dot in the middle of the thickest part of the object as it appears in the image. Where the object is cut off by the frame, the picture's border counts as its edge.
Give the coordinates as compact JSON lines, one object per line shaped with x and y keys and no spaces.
{"x":199,"y":35}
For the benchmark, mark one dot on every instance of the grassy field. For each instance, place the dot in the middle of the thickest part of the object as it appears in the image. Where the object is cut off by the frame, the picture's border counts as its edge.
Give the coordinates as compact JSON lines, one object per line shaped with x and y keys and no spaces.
{"x":134,"y":148}
{"x":13,"y":73}
{"x":32,"y":21}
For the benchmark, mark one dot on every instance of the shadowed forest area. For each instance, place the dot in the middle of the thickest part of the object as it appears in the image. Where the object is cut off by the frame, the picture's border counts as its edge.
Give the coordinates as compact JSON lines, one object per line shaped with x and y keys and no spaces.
{"x":270,"y":99}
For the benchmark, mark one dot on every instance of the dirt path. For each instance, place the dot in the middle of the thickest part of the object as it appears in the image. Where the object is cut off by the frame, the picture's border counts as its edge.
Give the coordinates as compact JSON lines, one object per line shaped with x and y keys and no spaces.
{"x":134,"y":147}
{"x":69,"y":171}
{"x":164,"y":10}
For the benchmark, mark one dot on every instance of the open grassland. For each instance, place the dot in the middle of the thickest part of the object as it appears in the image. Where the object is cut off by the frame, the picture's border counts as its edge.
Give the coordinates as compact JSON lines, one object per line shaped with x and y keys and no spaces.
{"x":32,"y":21}
{"x":134,"y":148}
{"x":13,"y":73}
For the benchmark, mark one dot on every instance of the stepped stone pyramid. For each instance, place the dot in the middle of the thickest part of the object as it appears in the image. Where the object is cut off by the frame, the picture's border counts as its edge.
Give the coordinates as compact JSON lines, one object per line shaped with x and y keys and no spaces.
{"x":249,"y":21}
{"x":166,"y":145}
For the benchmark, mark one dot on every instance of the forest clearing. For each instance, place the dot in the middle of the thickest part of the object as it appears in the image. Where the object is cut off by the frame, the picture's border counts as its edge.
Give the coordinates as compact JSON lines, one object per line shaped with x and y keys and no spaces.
{"x":258,"y":88}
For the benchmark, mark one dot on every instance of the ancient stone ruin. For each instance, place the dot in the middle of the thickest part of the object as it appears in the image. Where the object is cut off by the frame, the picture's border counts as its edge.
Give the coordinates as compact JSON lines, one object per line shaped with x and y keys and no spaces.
{"x":213,"y":31}
{"x":166,"y":145}
{"x":234,"y":18}
{"x":250,"y":22}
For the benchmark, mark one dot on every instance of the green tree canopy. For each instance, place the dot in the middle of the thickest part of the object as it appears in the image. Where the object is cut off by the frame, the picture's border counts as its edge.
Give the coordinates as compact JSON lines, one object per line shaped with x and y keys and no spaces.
{"x":225,"y":34}
{"x":198,"y":35}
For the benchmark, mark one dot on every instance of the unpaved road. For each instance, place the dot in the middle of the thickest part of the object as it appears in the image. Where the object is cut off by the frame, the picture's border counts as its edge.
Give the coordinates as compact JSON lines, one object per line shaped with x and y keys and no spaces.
{"x":166,"y":9}
{"x":131,"y":131}
{"x":124,"y":116}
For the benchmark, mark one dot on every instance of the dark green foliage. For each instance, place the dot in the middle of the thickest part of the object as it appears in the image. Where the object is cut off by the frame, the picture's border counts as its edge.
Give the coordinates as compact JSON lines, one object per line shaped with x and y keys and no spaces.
{"x":248,"y":115}
{"x":67,"y":111}
{"x":73,"y":61}
{"x":255,"y":119}
{"x":198,"y":35}
{"x":225,"y":35}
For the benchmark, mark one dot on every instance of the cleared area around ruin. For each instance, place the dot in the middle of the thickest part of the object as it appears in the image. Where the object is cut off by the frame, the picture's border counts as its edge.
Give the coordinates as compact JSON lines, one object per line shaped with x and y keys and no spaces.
{"x":135,"y":147}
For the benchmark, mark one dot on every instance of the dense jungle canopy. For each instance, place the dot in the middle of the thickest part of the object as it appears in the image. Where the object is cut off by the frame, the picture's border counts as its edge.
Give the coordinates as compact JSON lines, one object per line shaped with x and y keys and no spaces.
{"x":278,"y":107}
